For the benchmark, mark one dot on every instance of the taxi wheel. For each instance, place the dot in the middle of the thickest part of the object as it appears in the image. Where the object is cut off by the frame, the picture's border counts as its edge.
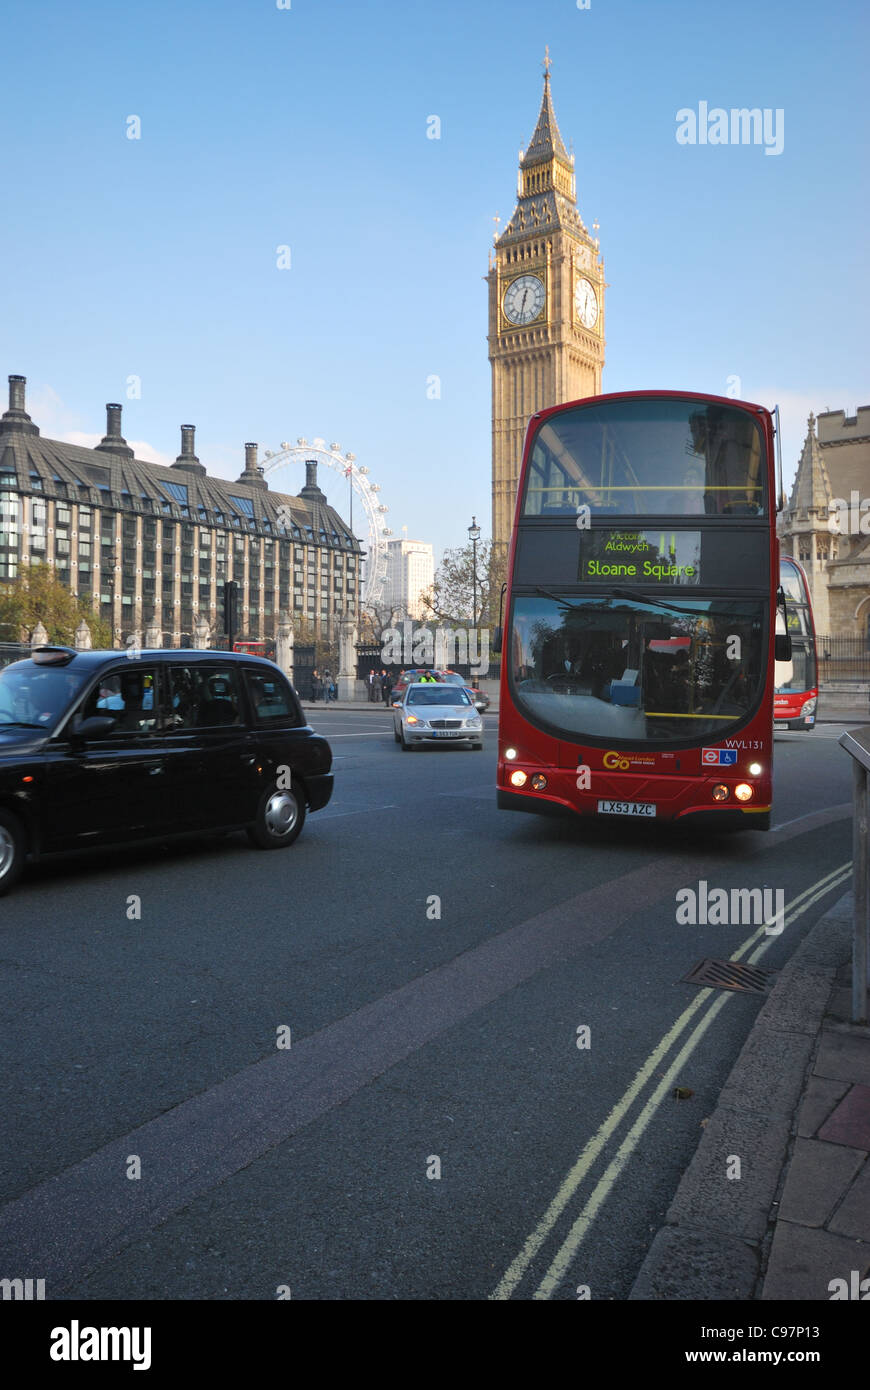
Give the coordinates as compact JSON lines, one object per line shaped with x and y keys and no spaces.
{"x":280,"y":818}
{"x":12,"y":851}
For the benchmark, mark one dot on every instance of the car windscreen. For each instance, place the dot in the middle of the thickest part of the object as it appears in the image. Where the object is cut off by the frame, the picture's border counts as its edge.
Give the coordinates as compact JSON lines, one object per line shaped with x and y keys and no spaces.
{"x":36,"y":695}
{"x":432,"y":695}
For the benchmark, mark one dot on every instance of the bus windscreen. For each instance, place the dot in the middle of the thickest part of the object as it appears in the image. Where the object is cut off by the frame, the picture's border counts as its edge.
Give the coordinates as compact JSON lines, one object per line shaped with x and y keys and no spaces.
{"x":634,"y":670}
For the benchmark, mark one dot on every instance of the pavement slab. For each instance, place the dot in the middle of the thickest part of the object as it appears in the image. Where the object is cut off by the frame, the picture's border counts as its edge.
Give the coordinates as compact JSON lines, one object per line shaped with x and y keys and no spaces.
{"x":803,"y":1262}
{"x":853,"y":1216}
{"x":820,"y":1098}
{"x":693,"y":1265}
{"x":708,"y":1199}
{"x":844,"y":1055}
{"x":850,"y":1121}
{"x":819,"y":1176}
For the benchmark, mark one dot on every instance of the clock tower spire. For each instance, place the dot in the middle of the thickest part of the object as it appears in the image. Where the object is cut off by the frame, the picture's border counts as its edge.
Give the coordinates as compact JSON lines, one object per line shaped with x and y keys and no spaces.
{"x":546,"y":306}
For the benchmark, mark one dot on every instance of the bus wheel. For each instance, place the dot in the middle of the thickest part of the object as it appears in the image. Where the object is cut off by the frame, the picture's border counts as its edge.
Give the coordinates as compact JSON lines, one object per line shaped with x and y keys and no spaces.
{"x":280,"y":818}
{"x":12,"y":851}
{"x":761,"y":822}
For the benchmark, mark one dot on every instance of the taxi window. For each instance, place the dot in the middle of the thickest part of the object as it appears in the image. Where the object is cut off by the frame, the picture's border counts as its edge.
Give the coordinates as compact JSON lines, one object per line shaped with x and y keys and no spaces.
{"x":271,"y":698}
{"x":203,"y":696}
{"x":129,"y":697}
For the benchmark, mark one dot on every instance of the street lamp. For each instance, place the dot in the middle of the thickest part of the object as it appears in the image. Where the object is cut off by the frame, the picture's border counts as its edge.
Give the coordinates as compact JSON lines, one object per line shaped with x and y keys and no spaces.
{"x":474,"y":537}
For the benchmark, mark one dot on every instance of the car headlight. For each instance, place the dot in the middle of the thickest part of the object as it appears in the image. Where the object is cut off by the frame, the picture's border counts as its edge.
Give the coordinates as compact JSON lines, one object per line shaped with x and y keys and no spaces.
{"x":472,"y":723}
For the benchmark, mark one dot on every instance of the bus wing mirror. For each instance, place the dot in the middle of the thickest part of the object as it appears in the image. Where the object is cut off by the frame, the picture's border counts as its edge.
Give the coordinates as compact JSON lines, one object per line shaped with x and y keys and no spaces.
{"x":782,"y":646}
{"x":498,"y":633}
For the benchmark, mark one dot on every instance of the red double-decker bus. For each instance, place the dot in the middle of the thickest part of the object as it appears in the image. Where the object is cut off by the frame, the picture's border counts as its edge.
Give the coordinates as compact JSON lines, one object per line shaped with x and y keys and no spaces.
{"x":796,"y":693}
{"x":638,"y":643}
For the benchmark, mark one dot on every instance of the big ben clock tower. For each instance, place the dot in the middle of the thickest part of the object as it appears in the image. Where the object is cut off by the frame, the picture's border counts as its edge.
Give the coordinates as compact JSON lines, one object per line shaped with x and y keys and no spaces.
{"x":546,"y":307}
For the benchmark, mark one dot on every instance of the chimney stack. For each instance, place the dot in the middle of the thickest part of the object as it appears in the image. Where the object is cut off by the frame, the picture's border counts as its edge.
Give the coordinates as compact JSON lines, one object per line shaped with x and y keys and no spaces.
{"x":311,"y":488}
{"x":187,"y":458}
{"x":113,"y":441}
{"x":253,"y":474}
{"x":16,"y":417}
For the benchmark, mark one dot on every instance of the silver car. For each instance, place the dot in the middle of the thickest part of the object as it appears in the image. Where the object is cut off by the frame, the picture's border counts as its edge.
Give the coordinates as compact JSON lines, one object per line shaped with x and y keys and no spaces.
{"x":434,"y":713}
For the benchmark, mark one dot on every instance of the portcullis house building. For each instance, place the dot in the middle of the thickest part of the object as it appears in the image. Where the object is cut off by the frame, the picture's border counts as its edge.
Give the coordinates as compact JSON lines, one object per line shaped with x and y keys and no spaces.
{"x":151,"y":546}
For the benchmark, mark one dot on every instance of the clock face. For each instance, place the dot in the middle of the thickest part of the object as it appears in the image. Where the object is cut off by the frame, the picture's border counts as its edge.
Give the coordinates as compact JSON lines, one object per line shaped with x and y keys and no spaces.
{"x":524,"y":299}
{"x":586,"y":303}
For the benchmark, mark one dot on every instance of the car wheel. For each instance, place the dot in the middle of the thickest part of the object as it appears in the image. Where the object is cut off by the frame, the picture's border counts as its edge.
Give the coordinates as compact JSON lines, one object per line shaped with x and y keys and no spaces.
{"x":406,"y":747}
{"x":280,"y":818}
{"x":477,"y":747}
{"x":12,"y":851}
{"x":396,"y":735}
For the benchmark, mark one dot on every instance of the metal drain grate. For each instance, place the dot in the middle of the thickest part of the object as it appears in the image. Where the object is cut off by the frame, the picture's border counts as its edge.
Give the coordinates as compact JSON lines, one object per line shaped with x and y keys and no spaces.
{"x":729,"y":974}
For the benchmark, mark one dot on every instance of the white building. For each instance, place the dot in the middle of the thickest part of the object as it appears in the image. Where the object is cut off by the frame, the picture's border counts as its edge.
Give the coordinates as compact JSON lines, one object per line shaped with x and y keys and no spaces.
{"x":410,"y":572}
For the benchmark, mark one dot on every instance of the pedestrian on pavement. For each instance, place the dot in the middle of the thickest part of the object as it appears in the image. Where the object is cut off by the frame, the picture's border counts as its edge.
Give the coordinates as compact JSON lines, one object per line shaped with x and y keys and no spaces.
{"x":373,"y":691}
{"x":315,"y":685}
{"x":328,"y":686}
{"x":386,"y":685}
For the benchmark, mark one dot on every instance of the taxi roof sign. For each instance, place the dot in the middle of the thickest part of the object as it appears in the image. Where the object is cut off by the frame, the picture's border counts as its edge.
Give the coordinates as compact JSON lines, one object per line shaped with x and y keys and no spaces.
{"x":52,"y":656}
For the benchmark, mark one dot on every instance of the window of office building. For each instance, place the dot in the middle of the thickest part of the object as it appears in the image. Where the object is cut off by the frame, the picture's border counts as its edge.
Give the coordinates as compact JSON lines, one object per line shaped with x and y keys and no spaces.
{"x":10,"y":513}
{"x":37,"y":526}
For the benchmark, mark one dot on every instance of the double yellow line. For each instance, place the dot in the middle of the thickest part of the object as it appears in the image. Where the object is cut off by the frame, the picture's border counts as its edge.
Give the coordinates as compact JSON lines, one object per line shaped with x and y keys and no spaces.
{"x":757,"y":944}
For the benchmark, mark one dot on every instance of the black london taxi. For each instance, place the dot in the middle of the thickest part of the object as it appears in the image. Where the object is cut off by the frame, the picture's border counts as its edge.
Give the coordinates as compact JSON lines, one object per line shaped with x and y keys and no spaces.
{"x":110,"y":747}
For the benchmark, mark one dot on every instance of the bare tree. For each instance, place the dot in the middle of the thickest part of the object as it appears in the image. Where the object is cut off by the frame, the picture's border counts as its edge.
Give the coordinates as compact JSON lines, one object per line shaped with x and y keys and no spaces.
{"x":375,"y":620}
{"x":452,"y":596}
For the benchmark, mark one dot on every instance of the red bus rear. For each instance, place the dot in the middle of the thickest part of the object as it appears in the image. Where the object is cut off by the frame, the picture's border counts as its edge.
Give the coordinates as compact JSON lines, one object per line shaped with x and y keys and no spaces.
{"x":638,"y":648}
{"x":796,"y":693}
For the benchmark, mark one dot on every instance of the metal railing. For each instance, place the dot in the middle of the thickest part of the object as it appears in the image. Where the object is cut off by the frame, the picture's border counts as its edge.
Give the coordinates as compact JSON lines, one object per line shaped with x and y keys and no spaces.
{"x":13,"y":651}
{"x":842,"y":659}
{"x":857,"y":745}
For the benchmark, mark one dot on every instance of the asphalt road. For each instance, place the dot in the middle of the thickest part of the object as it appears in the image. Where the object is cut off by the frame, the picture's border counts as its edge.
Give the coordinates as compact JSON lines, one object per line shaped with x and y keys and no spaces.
{"x":433,"y":1131}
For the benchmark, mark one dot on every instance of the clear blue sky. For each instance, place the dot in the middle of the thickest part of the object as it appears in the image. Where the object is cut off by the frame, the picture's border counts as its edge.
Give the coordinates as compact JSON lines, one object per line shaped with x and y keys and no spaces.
{"x":307,"y":127}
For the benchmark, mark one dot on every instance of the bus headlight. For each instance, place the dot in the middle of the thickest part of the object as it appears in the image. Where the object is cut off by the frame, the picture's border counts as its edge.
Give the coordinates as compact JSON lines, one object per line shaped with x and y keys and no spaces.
{"x":518,"y":778}
{"x":743,"y":791}
{"x":539,"y":782}
{"x":720,"y":792}
{"x":510,"y":754}
{"x":809,"y":706}
{"x":755,"y":769}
